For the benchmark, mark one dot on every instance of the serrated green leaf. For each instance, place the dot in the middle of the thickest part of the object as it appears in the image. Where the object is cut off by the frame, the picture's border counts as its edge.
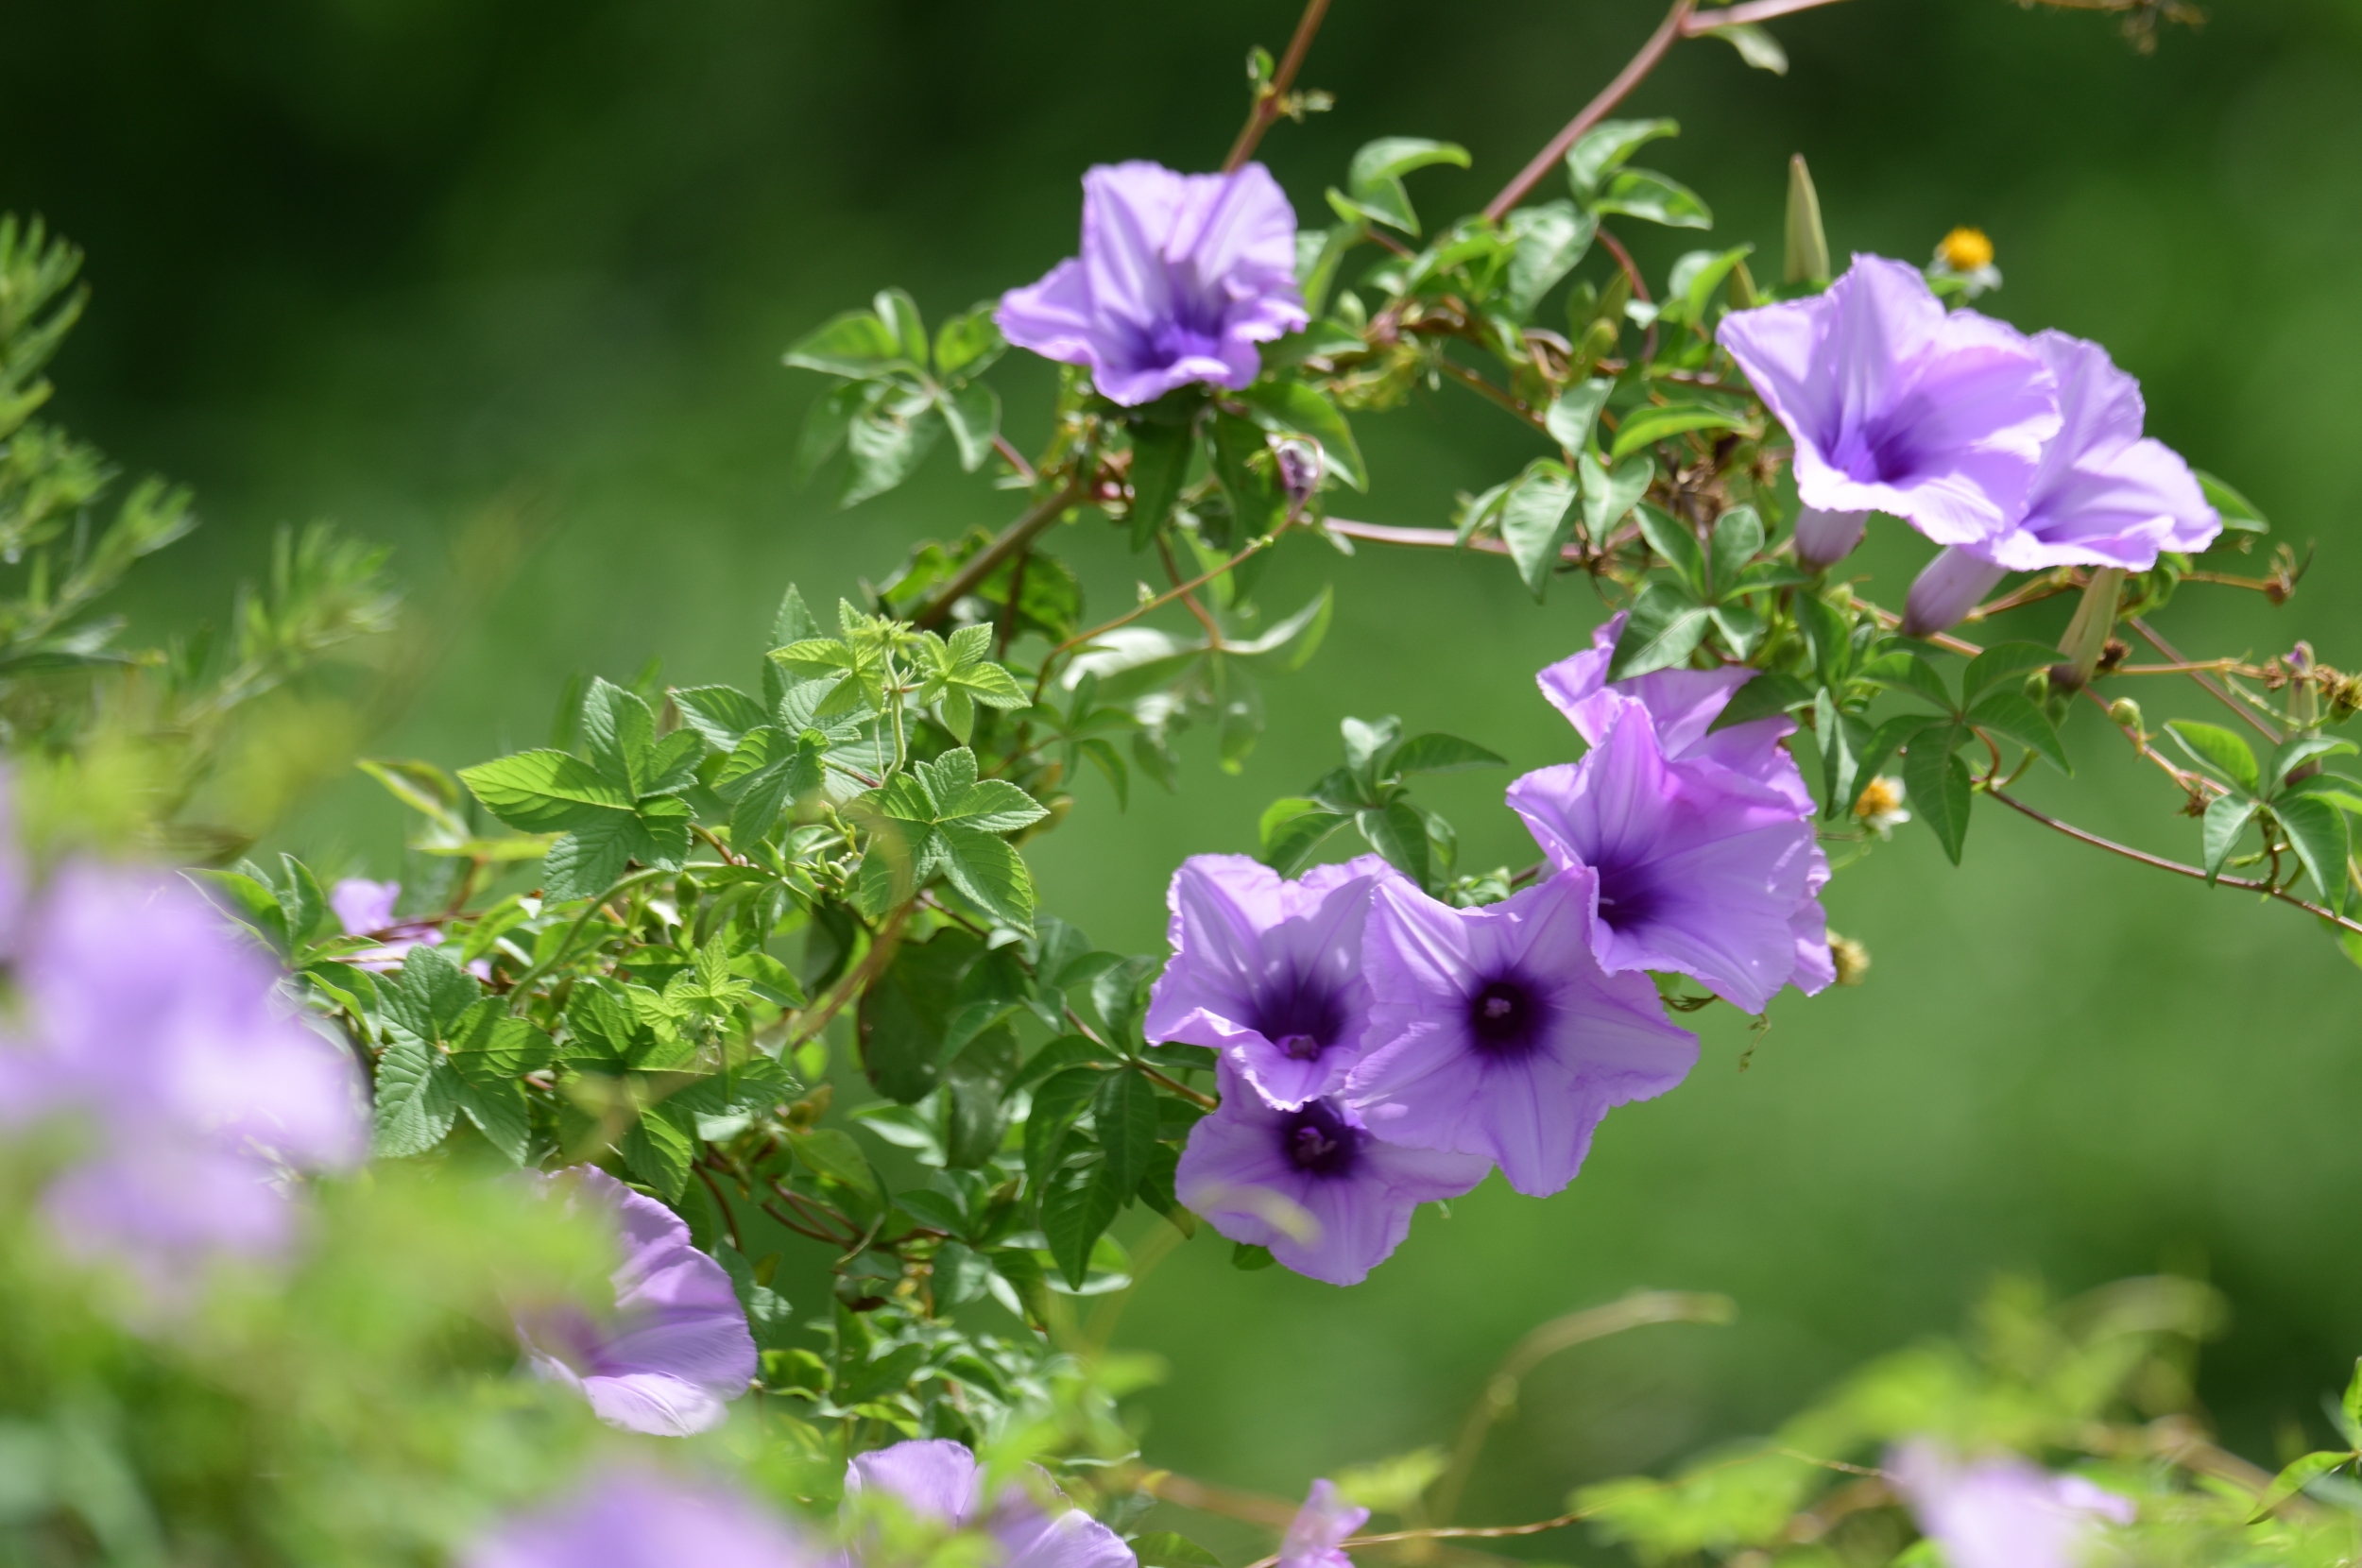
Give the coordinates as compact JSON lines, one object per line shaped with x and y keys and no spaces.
{"x":501,"y":1113}
{"x":722,"y":715}
{"x":488,"y":1046}
{"x":658,"y":1152}
{"x":546,"y":792}
{"x":417,"y":1100}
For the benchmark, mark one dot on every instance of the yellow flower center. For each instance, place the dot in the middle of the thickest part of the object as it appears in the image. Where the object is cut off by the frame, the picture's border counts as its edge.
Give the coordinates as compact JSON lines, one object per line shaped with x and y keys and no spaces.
{"x":1966,"y":250}
{"x":1879,"y":797}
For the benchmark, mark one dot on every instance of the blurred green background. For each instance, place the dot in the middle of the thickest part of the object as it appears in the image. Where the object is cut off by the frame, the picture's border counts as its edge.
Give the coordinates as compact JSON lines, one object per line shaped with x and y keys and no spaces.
{"x":474,"y":274}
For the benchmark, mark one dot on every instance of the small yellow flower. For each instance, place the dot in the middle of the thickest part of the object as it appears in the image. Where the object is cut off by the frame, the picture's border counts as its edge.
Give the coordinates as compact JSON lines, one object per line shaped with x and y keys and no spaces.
{"x":1966,"y":250}
{"x":1880,"y":808}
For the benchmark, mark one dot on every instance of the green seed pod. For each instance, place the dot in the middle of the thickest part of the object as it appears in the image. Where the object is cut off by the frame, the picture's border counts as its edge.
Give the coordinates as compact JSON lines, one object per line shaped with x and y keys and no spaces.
{"x":2124,"y":711}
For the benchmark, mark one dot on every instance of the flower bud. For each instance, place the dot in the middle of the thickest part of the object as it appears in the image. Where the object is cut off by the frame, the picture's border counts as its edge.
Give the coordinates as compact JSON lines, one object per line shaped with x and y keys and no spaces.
{"x":1850,"y":957}
{"x":2124,"y":713}
{"x":1824,"y":538}
{"x":1945,"y":591}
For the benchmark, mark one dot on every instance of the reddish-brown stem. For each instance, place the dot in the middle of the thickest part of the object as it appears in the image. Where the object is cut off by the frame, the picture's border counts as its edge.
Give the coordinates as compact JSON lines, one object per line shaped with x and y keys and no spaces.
{"x":2217,"y":693}
{"x":1271,"y":101}
{"x":1667,"y":32}
{"x":1483,"y":388}
{"x":2176,"y":866}
{"x":1013,"y":457}
{"x":730,"y":1215}
{"x":1639,"y":289}
{"x":1181,"y":590}
{"x":1433,"y":539}
{"x":1041,"y":682}
{"x":1014,"y":537}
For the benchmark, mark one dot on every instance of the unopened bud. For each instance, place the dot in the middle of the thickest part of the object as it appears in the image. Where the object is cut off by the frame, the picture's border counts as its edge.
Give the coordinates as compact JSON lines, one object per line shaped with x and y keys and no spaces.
{"x":1300,"y":470}
{"x":1850,"y":957}
{"x":2125,"y":714}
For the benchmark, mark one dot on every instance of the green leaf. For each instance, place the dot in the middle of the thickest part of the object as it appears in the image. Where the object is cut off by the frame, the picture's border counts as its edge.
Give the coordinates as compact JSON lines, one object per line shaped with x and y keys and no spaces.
{"x":722,"y":715}
{"x":902,"y":1017}
{"x":1293,"y":831}
{"x":2302,"y":749}
{"x":1604,"y":148}
{"x":248,"y":900}
{"x":2226,"y":817}
{"x":1061,"y":1098}
{"x":1167,"y":1550}
{"x":972,"y":413}
{"x":501,"y":1113}
{"x":886,"y":446}
{"x":1125,"y":1115}
{"x":1937,"y":784}
{"x":1696,"y":275}
{"x":1441,"y":754}
{"x":1081,"y":1202}
{"x":1653,"y":199}
{"x":1551,"y":239}
{"x":1576,"y":414}
{"x":2001,"y":662}
{"x":489,"y":1048}
{"x":829,"y":1152}
{"x":658,"y":1152}
{"x":1672,"y":539}
{"x":1652,"y":422}
{"x":1609,"y":497}
{"x":1766,"y":695}
{"x":1374,"y":179}
{"x":2295,"y":1478}
{"x":1737,"y":536}
{"x":2317,"y":832}
{"x":1160,"y":460}
{"x":1905,"y":670}
{"x":546,"y":792}
{"x":417,"y":1100}
{"x":1399,"y":833}
{"x":1256,"y":502}
{"x":856,"y":343}
{"x":1665,"y":627}
{"x":1535,"y":522}
{"x":1247,"y":1259}
{"x":444,"y":992}
{"x":900,"y":311}
{"x":2212,"y":746}
{"x":620,"y":733}
{"x":2239,"y":513}
{"x":991,"y":875}
{"x":967,"y":345}
{"x":826,"y":423}
{"x":2349,"y":1408}
{"x":1756,"y":46}
{"x":2009,"y":714}
{"x":1292,"y":406}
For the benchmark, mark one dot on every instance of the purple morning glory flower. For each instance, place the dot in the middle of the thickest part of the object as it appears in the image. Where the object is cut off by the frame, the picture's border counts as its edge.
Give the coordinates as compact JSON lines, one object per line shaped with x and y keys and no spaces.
{"x":2104,"y":495}
{"x":1896,"y":405}
{"x":159,"y":1026}
{"x":2002,"y":1512}
{"x":1702,"y":838}
{"x":1311,"y":1183}
{"x":1181,"y":276}
{"x":1316,"y":1537}
{"x":938,"y":1479}
{"x":677,"y":1348}
{"x":641,"y":1519}
{"x":1495,"y":1034}
{"x":1268,"y":971}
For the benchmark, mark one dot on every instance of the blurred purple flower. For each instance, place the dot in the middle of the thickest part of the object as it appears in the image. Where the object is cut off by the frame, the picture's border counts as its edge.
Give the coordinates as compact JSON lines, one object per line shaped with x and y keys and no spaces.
{"x":1824,"y":538}
{"x":148,"y":1018}
{"x":939,"y":1480}
{"x":1268,"y":971}
{"x":675,"y":1349}
{"x":2002,"y":1512}
{"x":1310,"y":1184}
{"x":1316,"y":1536}
{"x":634,"y":1518}
{"x":363,"y":908}
{"x":2104,"y":495}
{"x":1702,"y":839}
{"x":1897,"y":406}
{"x":1495,"y":1034}
{"x":1181,"y":275}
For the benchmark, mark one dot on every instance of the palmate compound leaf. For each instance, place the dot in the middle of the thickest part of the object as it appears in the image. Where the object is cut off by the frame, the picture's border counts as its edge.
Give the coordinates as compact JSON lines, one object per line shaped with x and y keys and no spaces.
{"x":941,"y":819}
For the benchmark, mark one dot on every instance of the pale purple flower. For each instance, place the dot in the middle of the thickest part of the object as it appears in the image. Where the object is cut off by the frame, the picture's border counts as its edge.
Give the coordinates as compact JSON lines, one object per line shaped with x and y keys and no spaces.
{"x":1701,"y":837}
{"x":2002,"y":1512}
{"x":1181,"y":276}
{"x":2104,"y":495}
{"x":147,"y":1017}
{"x":624,"y":1518}
{"x":1895,"y":405}
{"x":1268,"y":971}
{"x":363,"y":908}
{"x":1824,"y":538}
{"x":1311,"y":1183}
{"x":939,"y":1480}
{"x":1317,"y":1535}
{"x":675,"y":1349}
{"x":1495,"y":1034}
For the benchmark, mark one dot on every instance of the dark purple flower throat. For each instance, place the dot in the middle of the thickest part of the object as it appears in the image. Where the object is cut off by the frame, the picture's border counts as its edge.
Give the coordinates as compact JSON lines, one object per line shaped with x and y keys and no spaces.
{"x":1627,"y":896}
{"x":1318,"y":1141}
{"x":1299,"y":1014}
{"x":1507,"y":1015}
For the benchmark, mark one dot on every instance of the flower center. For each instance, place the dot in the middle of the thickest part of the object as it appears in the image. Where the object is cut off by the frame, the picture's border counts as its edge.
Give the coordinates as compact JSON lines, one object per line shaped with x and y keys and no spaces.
{"x":1318,"y":1142}
{"x":1628,"y":898}
{"x":1966,"y":250}
{"x":1506,"y":1016}
{"x":1299,"y":1015}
